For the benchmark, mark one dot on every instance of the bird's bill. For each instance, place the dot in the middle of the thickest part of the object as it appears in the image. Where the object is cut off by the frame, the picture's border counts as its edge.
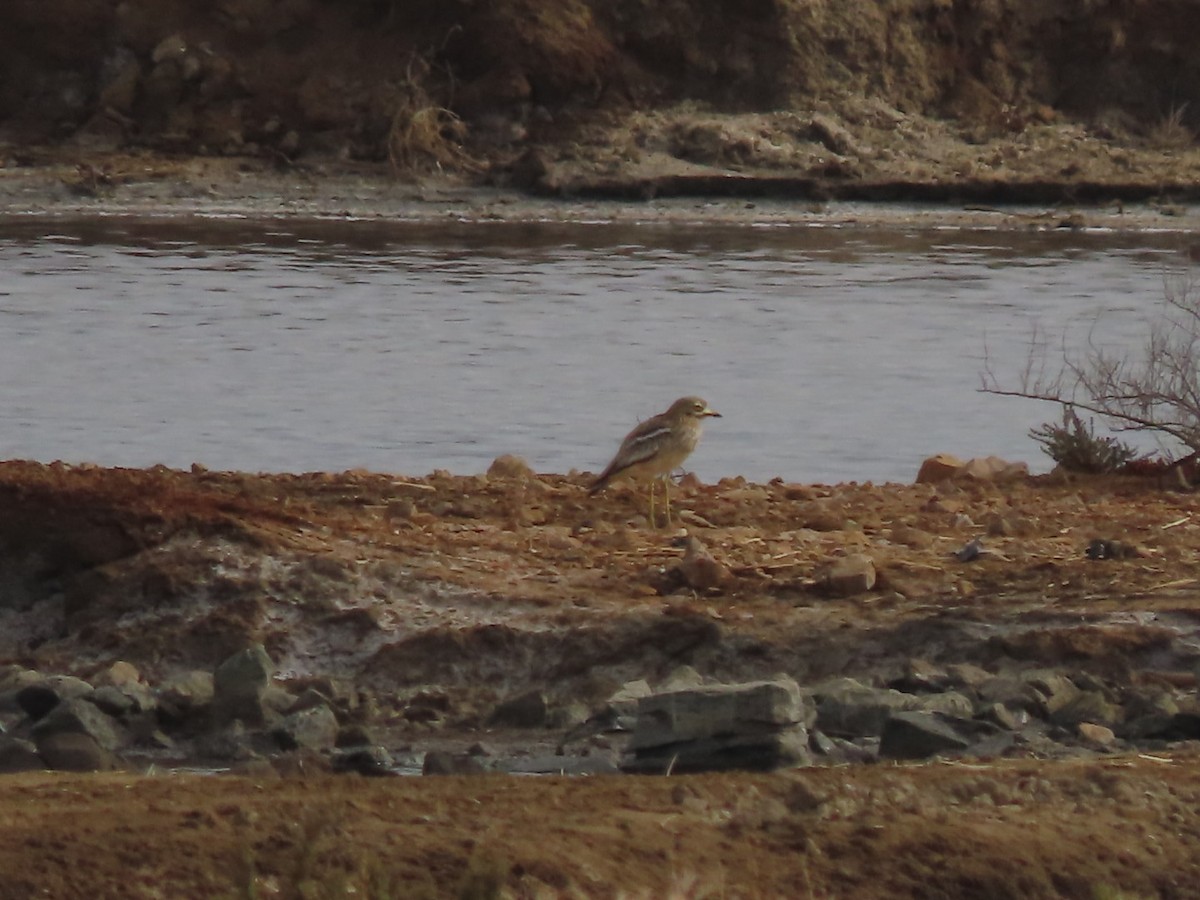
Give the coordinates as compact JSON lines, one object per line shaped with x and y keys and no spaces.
{"x":711,"y":412}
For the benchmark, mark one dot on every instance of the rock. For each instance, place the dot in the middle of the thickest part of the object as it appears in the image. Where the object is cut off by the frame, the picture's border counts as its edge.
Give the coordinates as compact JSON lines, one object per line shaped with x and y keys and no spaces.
{"x":371,"y":761}
{"x":942,"y":467}
{"x":597,"y":764}
{"x":509,"y":466}
{"x":699,"y":570}
{"x":68,"y":687}
{"x":921,"y":676}
{"x":1057,"y":691}
{"x":970,"y":551}
{"x":18,"y":755}
{"x":314,"y":728}
{"x":36,"y":700}
{"x":945,"y":467}
{"x":113,"y":701}
{"x":993,"y":468}
{"x":966,"y":675}
{"x":758,"y":725}
{"x":833,"y":136}
{"x":681,"y":678}
{"x":310,"y":697}
{"x":918,"y":735}
{"x":184,"y":696}
{"x":442,"y":762}
{"x":525,"y":711}
{"x":1087,"y":706}
{"x":14,"y":677}
{"x":230,"y":744}
{"x":1000,"y":714}
{"x":1183,"y":726}
{"x":1101,"y":548}
{"x":79,"y":717}
{"x":949,"y":703}
{"x":1012,"y":692}
{"x":853,"y":574}
{"x":71,"y":751}
{"x":240,"y":685}
{"x":624,"y":703}
{"x":848,"y":708}
{"x":911,"y":537}
{"x":120,"y":674}
{"x":1097,"y":735}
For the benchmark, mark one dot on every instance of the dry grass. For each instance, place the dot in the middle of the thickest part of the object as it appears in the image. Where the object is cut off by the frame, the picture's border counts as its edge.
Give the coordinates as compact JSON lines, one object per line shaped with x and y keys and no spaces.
{"x":425,"y":136}
{"x":1169,"y":132}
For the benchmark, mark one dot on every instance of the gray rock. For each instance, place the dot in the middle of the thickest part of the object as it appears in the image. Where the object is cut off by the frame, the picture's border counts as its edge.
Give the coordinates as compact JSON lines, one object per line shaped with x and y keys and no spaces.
{"x":597,"y":764}
{"x":1000,"y":714}
{"x":315,"y":728}
{"x":849,"y":708}
{"x":527,"y":710}
{"x":185,"y":696}
{"x":372,"y":761}
{"x":751,"y":708}
{"x":73,"y":751}
{"x":853,"y":574}
{"x":681,"y":678}
{"x":68,"y":687}
{"x":240,"y":685}
{"x":443,"y":762}
{"x":1057,"y":690}
{"x":966,"y":675}
{"x":17,"y":755}
{"x":1012,"y":692}
{"x":308,"y":698}
{"x":920,"y":676}
{"x":782,"y":748}
{"x":14,"y":677}
{"x":624,"y":702}
{"x":919,"y":735}
{"x":37,"y":700}
{"x":231,"y":744}
{"x":120,"y":674}
{"x":113,"y":701}
{"x":950,"y":703}
{"x":80,"y":717}
{"x":1087,"y":706}
{"x":759,"y":725}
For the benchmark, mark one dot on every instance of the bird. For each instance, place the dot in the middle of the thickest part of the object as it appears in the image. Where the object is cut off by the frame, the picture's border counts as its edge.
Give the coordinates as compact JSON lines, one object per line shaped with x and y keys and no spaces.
{"x":657,"y":447}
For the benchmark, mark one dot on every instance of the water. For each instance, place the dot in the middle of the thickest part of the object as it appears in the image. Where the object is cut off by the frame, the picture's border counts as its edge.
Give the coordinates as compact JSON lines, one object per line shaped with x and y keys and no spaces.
{"x":834,"y":354}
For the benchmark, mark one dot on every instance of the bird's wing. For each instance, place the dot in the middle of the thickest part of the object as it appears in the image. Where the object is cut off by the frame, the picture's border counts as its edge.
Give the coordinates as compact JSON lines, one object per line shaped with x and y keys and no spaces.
{"x":638,"y":446}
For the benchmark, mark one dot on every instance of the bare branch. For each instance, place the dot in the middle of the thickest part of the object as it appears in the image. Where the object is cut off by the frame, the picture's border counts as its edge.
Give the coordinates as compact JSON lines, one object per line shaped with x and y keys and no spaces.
{"x":1156,"y":390}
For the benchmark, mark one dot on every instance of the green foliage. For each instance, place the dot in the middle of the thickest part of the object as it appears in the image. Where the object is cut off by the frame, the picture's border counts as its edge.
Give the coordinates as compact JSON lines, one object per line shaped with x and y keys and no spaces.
{"x":1075,"y":446}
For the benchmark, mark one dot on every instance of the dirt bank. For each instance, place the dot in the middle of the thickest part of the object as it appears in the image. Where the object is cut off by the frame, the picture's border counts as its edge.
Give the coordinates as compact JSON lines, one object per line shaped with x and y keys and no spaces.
{"x":1011,"y":101}
{"x":440,"y":597}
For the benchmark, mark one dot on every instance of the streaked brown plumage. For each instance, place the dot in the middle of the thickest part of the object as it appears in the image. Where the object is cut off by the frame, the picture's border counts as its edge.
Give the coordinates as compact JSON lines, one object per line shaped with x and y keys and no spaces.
{"x":657,"y":447}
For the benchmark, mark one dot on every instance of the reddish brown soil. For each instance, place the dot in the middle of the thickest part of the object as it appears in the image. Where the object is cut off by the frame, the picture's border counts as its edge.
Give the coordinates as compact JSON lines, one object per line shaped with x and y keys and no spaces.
{"x":1116,"y":828}
{"x":546,"y":582}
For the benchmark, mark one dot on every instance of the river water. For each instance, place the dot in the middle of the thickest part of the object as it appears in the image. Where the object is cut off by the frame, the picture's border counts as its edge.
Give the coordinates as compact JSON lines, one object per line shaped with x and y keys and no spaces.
{"x":834,"y":354}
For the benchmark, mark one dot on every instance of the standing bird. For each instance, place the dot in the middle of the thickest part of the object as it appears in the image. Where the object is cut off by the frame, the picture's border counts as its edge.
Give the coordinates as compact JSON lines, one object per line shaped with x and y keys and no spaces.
{"x":657,"y":447}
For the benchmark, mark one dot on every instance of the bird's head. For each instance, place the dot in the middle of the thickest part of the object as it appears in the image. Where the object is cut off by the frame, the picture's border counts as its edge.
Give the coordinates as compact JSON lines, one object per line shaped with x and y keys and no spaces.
{"x":691,"y":407}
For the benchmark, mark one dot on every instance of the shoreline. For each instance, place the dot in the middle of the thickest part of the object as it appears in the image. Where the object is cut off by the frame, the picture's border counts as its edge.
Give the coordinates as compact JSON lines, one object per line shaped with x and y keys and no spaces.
{"x":229,"y":188}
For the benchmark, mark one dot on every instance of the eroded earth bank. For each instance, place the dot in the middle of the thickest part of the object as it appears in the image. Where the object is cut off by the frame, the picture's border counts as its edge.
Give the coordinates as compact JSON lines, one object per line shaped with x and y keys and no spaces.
{"x":975,"y":671}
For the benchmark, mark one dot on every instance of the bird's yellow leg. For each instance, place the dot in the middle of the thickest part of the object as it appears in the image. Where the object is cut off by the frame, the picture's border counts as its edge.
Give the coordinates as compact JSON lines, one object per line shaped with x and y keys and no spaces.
{"x":667,"y":497}
{"x":652,"y":522}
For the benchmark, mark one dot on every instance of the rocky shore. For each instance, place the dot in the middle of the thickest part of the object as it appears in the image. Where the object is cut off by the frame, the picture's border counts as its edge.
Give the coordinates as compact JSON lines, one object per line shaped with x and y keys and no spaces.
{"x":337,"y":626}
